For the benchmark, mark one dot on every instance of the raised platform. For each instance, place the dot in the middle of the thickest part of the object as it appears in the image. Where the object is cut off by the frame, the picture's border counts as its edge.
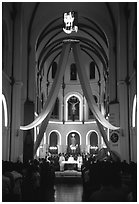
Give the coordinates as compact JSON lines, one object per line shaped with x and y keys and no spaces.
{"x":68,"y":173}
{"x":68,"y":176}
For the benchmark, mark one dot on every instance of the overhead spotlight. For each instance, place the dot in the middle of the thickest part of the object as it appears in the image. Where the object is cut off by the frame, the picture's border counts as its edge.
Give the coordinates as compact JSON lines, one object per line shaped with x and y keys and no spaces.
{"x":70,"y":22}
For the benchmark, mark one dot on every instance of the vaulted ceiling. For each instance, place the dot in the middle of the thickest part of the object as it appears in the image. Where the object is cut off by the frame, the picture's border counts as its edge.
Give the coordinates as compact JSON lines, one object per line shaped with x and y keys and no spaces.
{"x":44,"y":23}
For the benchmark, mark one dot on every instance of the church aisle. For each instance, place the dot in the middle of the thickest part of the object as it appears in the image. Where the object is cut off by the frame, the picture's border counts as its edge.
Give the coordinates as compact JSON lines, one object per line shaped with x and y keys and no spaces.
{"x":68,"y":192}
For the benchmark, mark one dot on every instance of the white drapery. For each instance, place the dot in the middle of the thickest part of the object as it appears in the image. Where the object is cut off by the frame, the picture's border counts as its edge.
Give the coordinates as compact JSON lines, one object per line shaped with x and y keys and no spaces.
{"x":54,"y":89}
{"x":41,"y":132}
{"x":103,"y":133}
{"x":87,"y":89}
{"x":47,"y":110}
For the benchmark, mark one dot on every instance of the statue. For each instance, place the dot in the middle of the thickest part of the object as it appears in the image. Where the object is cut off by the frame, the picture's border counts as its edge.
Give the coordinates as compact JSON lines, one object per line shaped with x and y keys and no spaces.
{"x":73,"y":107}
{"x":73,"y":145}
{"x":73,"y":101}
{"x":73,"y":140}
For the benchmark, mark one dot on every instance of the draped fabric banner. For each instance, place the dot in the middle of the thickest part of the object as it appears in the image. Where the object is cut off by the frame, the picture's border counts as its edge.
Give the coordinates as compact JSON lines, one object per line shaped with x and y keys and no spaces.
{"x":47,"y":110}
{"x":87,"y":89}
{"x":103,"y":133}
{"x":54,"y":89}
{"x":41,"y":132}
{"x":113,"y":154}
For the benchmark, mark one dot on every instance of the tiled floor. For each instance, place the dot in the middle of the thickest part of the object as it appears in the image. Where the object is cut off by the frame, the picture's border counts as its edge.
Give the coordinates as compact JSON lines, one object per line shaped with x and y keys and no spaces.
{"x":68,"y":192}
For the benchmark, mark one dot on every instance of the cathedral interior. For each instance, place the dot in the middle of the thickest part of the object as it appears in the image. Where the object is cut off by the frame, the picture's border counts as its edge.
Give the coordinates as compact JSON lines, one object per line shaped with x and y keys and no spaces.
{"x":69,"y":80}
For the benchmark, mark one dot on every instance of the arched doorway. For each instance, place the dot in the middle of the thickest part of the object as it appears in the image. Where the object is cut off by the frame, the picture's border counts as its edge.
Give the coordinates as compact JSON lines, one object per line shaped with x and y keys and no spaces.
{"x":73,"y":143}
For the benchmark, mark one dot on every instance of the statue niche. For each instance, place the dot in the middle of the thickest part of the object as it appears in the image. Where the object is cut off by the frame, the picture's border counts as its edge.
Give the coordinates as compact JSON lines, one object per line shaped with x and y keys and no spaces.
{"x":73,"y":143}
{"x":73,"y":108}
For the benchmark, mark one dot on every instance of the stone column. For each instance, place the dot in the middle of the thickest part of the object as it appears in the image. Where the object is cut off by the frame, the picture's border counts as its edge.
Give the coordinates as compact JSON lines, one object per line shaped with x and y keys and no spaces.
{"x":124,"y":141}
{"x":122,"y":70}
{"x":5,"y":143}
{"x":16,"y":137}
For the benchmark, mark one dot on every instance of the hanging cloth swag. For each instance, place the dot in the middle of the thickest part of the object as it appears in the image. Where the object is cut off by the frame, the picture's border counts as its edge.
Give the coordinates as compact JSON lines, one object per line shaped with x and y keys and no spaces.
{"x":48,"y":106}
{"x":41,"y":132}
{"x":54,"y":89}
{"x":87,"y":89}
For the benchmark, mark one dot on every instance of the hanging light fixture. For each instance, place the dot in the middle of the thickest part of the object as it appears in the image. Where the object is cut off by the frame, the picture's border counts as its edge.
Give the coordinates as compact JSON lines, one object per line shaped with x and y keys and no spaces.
{"x":70,"y":22}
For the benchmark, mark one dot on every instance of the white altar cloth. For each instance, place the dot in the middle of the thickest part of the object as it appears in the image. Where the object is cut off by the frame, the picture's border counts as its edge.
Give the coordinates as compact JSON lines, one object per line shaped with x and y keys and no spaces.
{"x":70,"y":162}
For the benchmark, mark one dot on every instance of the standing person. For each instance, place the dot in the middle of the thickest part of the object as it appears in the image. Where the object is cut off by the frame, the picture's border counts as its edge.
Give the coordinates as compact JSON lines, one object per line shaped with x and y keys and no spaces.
{"x":80,"y":161}
{"x":61,"y":159}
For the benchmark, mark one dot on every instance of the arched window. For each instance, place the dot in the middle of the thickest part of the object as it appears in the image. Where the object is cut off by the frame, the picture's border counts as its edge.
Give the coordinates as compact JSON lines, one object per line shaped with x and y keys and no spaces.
{"x":54,"y":69}
{"x":134,"y":111}
{"x":73,"y":72}
{"x":4,"y":112}
{"x":55,"y":113}
{"x":73,"y":108}
{"x":91,"y":115}
{"x":42,"y":99}
{"x":92,"y":70}
{"x":4,"y":44}
{"x":40,"y":83}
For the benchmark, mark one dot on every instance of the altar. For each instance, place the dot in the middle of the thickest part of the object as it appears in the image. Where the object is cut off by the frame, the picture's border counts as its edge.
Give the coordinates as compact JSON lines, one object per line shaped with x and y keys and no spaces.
{"x":71,"y":164}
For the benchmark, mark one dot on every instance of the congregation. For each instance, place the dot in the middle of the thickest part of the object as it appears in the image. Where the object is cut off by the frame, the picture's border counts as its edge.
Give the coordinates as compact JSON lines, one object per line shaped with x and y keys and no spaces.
{"x":109,"y":181}
{"x":34,"y":180}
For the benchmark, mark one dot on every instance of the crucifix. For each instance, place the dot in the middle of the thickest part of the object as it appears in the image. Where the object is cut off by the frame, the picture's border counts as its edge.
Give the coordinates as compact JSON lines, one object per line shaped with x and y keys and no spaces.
{"x":73,"y":101}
